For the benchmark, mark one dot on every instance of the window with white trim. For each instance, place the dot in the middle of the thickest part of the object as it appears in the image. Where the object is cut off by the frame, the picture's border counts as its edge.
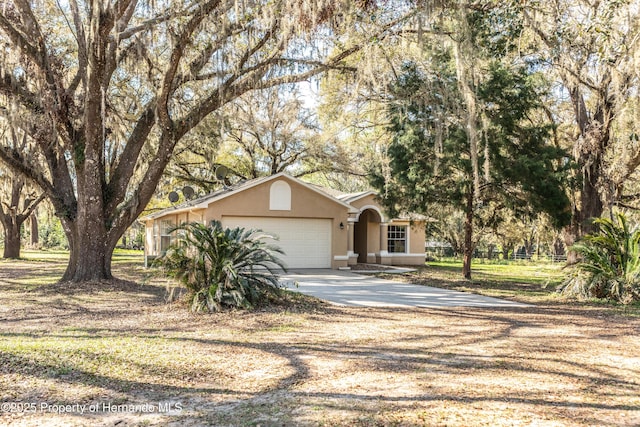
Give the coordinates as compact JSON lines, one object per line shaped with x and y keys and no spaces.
{"x":397,"y":239}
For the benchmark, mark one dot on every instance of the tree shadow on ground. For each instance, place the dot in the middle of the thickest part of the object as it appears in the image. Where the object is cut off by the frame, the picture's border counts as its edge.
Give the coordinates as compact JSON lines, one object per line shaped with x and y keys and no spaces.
{"x":448,"y":353}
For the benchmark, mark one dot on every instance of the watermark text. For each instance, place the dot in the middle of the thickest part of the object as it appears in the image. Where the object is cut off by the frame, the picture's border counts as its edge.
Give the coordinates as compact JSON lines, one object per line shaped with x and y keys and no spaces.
{"x":168,"y":408}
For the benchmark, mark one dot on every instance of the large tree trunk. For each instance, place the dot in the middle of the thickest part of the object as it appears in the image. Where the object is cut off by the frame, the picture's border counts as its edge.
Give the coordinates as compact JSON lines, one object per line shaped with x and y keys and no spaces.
{"x":591,"y":207}
{"x":590,"y":198}
{"x":591,"y":204}
{"x":89,"y":246}
{"x":92,"y":265}
{"x":590,"y":147}
{"x":11,"y":241}
{"x":468,"y":237}
{"x":35,"y":236}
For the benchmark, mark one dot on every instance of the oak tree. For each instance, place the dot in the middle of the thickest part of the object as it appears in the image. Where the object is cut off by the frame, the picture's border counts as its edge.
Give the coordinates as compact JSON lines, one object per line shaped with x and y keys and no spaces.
{"x":18,"y":198}
{"x":111,"y":87}
{"x":591,"y":49}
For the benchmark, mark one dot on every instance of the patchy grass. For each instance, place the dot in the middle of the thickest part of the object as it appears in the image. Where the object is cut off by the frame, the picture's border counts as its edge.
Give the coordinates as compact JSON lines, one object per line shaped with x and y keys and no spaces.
{"x":308,"y":363}
{"x":525,"y":282}
{"x":50,"y":255}
{"x":533,"y":283}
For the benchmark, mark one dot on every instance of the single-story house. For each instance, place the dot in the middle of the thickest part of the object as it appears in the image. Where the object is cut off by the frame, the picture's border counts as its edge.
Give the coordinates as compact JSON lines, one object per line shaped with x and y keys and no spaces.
{"x":316,"y":227}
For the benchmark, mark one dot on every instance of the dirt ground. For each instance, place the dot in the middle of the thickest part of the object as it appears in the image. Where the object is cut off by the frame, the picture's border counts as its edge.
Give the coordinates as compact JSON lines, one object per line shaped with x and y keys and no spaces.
{"x":133,"y":359}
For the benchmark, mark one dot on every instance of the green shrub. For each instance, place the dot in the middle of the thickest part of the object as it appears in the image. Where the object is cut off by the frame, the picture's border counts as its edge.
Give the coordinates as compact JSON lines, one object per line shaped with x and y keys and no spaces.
{"x":609,"y":265}
{"x":222,"y":267}
{"x":52,"y":235}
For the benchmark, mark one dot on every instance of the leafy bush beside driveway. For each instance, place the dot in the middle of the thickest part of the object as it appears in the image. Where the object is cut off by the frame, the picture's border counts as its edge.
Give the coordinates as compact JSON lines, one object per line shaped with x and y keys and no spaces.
{"x":223,"y":267}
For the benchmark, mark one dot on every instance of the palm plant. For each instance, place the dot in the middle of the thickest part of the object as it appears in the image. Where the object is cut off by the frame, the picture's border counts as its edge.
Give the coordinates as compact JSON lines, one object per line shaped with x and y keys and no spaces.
{"x":610,"y":262}
{"x":223,"y":267}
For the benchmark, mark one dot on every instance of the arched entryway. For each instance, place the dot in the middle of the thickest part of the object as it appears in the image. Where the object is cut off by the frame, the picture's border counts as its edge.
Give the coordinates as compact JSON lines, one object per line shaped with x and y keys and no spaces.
{"x":366,"y":235}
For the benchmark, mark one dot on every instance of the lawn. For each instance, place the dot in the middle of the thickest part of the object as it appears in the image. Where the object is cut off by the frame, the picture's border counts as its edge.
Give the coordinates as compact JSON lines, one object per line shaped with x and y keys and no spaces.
{"x":132,"y":359}
{"x":521,"y":281}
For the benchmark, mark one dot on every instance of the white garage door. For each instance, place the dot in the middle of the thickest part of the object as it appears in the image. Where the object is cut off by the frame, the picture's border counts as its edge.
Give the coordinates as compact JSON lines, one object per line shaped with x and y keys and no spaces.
{"x":305,"y":242}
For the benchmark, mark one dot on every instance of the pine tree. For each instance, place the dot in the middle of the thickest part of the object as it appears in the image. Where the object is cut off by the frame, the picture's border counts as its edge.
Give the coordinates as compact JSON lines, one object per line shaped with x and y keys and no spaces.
{"x":430,"y":159}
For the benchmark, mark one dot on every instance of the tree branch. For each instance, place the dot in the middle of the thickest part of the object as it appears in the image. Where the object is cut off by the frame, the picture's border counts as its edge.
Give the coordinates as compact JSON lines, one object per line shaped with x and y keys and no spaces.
{"x":121,"y":175}
{"x":19,"y":163}
{"x":29,"y":209}
{"x":18,"y":91}
{"x":169,"y":80}
{"x":81,"y":38}
{"x":18,"y":39}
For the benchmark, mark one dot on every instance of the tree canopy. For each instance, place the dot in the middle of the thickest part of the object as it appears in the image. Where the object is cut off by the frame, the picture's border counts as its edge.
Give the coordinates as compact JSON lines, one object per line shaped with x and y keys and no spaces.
{"x":106,"y":90}
{"x":467,"y":128}
{"x":496,"y":99}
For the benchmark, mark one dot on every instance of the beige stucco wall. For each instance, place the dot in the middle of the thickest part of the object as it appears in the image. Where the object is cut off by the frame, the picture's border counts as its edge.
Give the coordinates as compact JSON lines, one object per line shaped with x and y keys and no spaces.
{"x":416,"y":253}
{"x":417,"y":240}
{"x":369,"y":201}
{"x":305,"y":203}
{"x":149,"y":249}
{"x":373,"y":239}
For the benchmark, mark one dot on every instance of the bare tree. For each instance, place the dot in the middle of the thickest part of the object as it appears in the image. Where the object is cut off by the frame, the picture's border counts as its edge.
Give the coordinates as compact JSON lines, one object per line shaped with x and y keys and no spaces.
{"x":261,"y":133}
{"x":272,"y":131}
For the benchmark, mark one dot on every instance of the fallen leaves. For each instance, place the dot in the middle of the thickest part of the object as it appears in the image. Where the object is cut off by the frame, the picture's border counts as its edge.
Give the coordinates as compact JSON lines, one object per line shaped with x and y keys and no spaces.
{"x":549,"y":365}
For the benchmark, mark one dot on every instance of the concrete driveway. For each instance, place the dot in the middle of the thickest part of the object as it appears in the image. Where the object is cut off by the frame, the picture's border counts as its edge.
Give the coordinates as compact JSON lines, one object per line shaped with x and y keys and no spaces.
{"x":350,"y":289}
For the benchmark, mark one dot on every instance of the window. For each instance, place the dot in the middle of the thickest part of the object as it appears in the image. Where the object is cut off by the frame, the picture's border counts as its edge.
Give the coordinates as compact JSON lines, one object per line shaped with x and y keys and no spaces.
{"x":165,"y":226}
{"x":166,"y":239}
{"x":397,"y":239}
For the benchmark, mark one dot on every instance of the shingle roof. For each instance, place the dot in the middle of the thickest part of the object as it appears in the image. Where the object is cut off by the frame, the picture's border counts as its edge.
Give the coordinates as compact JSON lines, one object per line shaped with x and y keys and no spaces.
{"x":204,"y":201}
{"x":350,"y":197}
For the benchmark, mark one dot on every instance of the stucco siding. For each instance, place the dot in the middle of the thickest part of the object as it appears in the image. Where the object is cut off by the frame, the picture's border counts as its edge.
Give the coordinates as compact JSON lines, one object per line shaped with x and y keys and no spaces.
{"x":305,"y":203}
{"x":417,"y":238}
{"x":369,"y":201}
{"x":254,"y":201}
{"x":284,"y":197}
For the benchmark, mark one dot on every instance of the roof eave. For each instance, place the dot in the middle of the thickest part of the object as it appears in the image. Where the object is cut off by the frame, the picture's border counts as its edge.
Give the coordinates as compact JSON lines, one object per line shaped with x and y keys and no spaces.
{"x":172,"y":210}
{"x":360,"y":196}
{"x":216,"y":197}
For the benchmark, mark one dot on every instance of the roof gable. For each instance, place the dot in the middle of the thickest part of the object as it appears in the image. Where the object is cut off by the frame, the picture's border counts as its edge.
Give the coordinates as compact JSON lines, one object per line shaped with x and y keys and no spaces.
{"x":205,"y":201}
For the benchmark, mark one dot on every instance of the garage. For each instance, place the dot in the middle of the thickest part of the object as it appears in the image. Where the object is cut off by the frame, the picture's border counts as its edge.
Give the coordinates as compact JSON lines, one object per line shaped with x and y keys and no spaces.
{"x":305,"y":241}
